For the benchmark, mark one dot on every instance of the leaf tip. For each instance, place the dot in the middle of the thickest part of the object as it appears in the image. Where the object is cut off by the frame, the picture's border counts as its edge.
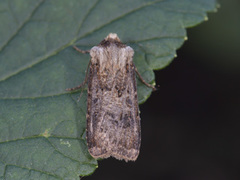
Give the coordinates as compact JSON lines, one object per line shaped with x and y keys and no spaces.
{"x":217,"y":6}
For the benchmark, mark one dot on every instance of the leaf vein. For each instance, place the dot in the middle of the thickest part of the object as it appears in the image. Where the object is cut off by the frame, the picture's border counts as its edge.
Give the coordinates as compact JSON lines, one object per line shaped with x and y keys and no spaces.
{"x":32,"y":169}
{"x":21,"y":26}
{"x":38,"y":137}
{"x":23,"y":68}
{"x":119,"y":17}
{"x":87,"y":14}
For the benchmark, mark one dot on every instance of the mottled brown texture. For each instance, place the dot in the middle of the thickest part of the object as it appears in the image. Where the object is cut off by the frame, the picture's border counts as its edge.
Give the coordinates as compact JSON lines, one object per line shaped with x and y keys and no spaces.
{"x":113,"y":121}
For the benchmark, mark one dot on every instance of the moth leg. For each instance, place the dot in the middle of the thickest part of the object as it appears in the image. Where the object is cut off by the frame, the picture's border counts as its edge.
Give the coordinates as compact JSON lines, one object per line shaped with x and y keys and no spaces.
{"x":84,"y":82}
{"x":143,"y":81}
{"x":81,"y":51}
{"x":76,"y":88}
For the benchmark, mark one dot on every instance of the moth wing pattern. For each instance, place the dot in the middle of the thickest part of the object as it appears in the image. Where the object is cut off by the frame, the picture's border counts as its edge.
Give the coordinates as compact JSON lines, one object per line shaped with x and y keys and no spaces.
{"x":113,"y":120}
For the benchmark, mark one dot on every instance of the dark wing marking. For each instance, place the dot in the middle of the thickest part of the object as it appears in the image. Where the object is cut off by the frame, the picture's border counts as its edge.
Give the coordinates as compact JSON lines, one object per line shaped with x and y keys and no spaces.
{"x":113,"y":122}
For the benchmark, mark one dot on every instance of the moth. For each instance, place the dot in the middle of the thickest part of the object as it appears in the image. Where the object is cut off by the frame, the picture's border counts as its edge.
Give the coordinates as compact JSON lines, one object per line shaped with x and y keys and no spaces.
{"x":113,"y":120}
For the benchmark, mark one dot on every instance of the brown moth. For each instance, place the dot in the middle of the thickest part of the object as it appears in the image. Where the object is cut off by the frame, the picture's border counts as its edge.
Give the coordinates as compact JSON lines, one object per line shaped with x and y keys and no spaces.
{"x":113,"y":121}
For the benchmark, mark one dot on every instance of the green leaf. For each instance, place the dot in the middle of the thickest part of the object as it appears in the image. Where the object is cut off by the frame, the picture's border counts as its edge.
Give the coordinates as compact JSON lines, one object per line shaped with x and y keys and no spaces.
{"x":42,"y":126}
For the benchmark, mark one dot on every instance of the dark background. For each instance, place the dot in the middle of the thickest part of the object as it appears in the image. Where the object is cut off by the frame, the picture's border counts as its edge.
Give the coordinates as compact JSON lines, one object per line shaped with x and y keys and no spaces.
{"x":191,"y":125}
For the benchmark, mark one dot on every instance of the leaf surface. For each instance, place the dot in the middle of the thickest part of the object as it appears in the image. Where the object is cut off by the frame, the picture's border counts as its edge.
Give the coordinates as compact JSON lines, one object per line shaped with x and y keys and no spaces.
{"x":42,"y":126}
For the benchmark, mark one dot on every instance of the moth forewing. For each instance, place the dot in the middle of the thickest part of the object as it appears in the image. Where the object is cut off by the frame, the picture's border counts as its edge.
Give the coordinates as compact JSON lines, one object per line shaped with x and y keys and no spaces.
{"x":113,"y":121}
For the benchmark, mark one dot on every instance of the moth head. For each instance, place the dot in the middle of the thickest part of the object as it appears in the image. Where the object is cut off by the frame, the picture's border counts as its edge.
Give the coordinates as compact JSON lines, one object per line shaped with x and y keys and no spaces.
{"x":112,"y":37}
